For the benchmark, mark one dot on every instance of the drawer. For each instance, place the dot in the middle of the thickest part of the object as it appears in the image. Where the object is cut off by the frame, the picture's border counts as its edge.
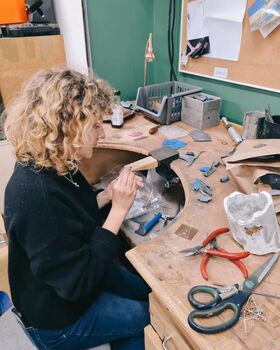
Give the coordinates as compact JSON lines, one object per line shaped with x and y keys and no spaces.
{"x":4,"y":282}
{"x":152,"y":340}
{"x":165,"y":327}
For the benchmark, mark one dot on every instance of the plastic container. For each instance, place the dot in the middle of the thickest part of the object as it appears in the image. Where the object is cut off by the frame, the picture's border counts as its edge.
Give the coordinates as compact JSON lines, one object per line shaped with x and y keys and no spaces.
{"x":163,"y":102}
{"x":252,"y":125}
{"x":117,"y":116}
{"x":201,"y":111}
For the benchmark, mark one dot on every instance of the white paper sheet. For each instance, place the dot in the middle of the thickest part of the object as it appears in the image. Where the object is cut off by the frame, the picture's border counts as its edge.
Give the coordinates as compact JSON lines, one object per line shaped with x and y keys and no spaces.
{"x":222,"y":21}
{"x":222,"y":44}
{"x":227,"y":9}
{"x":195,"y":20}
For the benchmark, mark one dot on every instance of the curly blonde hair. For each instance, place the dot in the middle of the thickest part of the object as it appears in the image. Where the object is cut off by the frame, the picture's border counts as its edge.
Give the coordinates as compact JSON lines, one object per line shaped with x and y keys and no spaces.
{"x":52,"y":116}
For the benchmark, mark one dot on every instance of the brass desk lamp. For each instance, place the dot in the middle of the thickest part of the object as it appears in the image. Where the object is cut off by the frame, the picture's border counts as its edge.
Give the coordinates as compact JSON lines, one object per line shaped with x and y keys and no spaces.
{"x":149,"y":56}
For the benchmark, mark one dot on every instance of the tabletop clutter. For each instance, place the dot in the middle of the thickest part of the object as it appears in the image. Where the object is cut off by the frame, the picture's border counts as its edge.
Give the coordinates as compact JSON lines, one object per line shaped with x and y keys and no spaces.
{"x":253,"y":163}
{"x":253,"y":221}
{"x":251,"y":216}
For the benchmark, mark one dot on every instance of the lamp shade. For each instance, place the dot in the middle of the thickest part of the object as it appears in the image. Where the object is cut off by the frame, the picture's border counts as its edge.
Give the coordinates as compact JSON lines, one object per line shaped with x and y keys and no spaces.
{"x":149,"y":55}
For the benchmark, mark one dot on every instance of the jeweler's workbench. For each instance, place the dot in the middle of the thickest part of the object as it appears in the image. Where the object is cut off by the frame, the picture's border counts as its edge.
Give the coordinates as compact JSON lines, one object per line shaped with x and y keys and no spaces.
{"x":168,"y":273}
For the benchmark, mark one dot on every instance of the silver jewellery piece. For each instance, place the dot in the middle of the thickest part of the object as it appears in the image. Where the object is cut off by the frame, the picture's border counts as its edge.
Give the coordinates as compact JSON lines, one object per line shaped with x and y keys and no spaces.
{"x":71,"y":180}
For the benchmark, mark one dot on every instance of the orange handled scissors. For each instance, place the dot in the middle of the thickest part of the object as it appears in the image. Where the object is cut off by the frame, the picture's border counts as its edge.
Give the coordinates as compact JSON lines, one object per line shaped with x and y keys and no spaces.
{"x":216,"y":251}
{"x":206,"y":257}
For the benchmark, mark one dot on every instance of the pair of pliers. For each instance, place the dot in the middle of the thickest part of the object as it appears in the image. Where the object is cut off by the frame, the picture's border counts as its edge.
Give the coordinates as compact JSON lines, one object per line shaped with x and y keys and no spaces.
{"x":206,"y":257}
{"x":219,"y":253}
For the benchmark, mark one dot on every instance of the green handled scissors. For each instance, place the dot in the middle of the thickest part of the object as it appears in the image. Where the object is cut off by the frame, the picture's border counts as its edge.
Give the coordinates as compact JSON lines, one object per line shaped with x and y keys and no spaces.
{"x":224,"y":298}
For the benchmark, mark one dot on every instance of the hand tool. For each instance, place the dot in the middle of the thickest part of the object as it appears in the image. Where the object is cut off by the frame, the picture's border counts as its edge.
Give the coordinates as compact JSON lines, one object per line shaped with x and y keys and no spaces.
{"x":190,"y":157}
{"x":160,"y":159}
{"x":201,"y":248}
{"x":268,"y":116}
{"x":261,"y":294}
{"x":204,"y":190}
{"x":167,"y":218}
{"x":208,"y":170}
{"x":225,"y":298}
{"x":206,"y":257}
{"x":199,"y":186}
{"x":230,"y":153}
{"x":154,"y":129}
{"x":145,"y":227}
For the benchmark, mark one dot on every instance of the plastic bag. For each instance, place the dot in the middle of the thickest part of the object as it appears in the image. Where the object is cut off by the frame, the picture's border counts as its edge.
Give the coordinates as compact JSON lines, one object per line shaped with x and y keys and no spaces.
{"x":253,"y":222}
{"x":262,"y":13}
{"x":147,"y":198}
{"x":106,"y":179}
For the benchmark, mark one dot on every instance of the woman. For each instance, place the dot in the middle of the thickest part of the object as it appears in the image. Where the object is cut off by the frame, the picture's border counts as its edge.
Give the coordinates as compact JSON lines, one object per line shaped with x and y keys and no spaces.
{"x":64,"y":285}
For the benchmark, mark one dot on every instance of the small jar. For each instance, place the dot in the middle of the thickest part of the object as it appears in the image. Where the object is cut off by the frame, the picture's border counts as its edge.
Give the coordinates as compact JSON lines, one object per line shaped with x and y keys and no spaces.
{"x":117,"y":116}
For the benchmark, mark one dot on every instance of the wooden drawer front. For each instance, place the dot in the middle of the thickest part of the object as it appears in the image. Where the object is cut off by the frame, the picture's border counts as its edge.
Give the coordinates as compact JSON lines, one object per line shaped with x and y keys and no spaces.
{"x":152,"y":340}
{"x":4,"y":282}
{"x":165,"y":327}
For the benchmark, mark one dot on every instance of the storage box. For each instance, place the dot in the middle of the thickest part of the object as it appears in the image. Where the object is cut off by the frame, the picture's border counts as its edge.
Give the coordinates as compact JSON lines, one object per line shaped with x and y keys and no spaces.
{"x":163,"y":102}
{"x":200,"y":110}
{"x":22,"y":57}
{"x":12,"y":11}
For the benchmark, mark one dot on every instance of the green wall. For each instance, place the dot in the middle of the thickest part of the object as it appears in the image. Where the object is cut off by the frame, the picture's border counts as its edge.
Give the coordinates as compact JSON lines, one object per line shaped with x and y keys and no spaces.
{"x":118,"y":32}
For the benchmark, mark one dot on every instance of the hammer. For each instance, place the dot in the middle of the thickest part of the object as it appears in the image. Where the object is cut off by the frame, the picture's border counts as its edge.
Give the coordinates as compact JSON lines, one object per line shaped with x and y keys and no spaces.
{"x":159,"y":158}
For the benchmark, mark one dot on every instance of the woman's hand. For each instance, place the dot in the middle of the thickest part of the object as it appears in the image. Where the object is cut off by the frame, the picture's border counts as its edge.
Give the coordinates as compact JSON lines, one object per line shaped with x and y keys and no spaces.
{"x":122,"y":192}
{"x":109,"y":188}
{"x":106,"y":196}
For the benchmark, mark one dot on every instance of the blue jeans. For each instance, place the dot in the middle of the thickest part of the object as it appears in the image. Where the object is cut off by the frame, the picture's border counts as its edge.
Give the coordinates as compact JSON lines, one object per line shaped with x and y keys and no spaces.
{"x":5,"y":302}
{"x":118,"y":316}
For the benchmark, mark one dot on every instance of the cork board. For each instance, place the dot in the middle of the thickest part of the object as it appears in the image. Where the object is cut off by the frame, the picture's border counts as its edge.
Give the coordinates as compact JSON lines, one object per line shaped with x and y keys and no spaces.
{"x":258,"y":64}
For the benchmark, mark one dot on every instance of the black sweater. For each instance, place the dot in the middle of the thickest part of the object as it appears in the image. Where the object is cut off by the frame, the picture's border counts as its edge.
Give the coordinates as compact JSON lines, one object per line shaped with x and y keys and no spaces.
{"x":58,"y":252}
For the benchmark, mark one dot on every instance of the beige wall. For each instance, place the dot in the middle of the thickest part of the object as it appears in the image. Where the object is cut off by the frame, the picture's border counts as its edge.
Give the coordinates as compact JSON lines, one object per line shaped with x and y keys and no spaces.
{"x":7,"y":162}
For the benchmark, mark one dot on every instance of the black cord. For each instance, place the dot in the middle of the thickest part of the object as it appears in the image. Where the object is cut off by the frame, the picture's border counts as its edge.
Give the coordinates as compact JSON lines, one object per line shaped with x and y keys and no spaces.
{"x":172,"y":39}
{"x":168,"y":37}
{"x":170,"y":34}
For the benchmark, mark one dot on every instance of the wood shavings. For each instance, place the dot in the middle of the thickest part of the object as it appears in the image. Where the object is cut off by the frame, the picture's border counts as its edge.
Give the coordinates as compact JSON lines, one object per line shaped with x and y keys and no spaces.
{"x":252,"y":312}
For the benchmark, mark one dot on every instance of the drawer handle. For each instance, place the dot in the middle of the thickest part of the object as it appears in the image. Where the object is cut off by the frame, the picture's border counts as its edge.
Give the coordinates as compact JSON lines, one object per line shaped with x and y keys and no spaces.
{"x":164,"y":342}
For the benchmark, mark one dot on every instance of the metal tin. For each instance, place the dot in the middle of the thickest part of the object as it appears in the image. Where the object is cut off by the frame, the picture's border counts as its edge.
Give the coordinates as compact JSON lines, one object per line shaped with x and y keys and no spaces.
{"x":252,"y":123}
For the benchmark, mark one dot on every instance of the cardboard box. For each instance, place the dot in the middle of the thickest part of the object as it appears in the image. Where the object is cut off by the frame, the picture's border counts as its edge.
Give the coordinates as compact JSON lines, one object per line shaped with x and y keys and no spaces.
{"x":22,"y":57}
{"x":200,"y":110}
